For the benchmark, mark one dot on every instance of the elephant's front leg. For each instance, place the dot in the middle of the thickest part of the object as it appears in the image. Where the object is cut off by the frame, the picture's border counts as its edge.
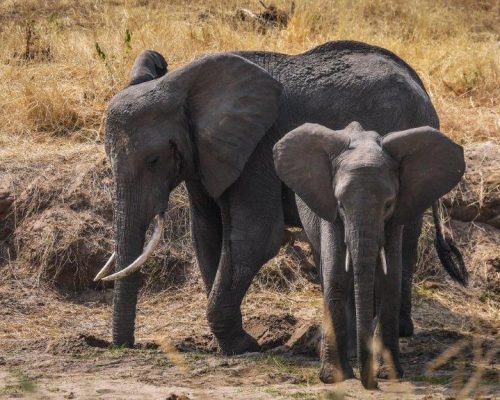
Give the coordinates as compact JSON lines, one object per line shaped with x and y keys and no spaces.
{"x":252,"y":232}
{"x":337,"y":282}
{"x":388,"y":289}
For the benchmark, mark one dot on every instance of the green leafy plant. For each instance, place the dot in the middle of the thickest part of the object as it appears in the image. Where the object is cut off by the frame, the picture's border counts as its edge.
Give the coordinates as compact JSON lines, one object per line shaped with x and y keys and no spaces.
{"x":128,"y":39}
{"x":101,"y":54}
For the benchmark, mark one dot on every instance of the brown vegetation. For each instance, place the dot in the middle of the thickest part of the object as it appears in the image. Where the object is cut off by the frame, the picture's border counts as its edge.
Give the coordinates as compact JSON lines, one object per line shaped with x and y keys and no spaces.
{"x":92,"y":45}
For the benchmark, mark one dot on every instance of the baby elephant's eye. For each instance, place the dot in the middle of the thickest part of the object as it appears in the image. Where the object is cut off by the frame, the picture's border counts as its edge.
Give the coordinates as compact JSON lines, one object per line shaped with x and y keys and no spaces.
{"x":388,"y":205}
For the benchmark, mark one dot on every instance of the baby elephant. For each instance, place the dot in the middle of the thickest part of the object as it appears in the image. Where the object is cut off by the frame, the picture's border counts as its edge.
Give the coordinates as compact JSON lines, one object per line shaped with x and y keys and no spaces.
{"x":355,"y":192}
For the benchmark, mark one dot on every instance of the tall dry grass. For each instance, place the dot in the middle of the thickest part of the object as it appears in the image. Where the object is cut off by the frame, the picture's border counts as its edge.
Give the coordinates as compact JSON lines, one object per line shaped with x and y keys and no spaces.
{"x":61,"y":60}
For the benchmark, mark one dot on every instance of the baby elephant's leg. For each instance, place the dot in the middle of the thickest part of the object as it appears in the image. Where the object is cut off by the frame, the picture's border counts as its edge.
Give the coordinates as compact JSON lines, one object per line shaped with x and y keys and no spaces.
{"x":337,"y":283}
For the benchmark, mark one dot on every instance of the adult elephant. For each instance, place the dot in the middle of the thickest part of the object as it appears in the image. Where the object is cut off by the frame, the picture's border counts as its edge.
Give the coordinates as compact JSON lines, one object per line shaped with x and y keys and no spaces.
{"x":213,"y":124}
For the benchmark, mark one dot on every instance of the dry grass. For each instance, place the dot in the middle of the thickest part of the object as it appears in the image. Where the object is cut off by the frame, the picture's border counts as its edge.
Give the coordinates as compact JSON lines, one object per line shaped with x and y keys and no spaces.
{"x":61,"y":61}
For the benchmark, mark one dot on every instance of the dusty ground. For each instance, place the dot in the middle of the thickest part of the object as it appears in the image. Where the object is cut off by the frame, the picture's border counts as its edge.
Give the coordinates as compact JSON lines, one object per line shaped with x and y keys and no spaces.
{"x":57,"y":347}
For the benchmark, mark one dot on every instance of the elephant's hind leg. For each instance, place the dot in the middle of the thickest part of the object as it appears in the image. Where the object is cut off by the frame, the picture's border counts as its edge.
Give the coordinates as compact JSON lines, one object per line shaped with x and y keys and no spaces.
{"x":206,"y":228}
{"x":411,"y":233}
{"x":252,"y":232}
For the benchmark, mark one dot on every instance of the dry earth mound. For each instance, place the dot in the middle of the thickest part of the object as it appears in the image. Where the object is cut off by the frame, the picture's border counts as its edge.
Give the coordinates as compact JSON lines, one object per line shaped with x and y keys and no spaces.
{"x":57,"y":228}
{"x":474,"y":210}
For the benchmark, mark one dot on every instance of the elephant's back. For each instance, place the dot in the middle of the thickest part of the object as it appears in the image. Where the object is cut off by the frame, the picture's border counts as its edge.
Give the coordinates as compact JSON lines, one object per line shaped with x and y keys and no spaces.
{"x":344,"y":81}
{"x":349,"y":53}
{"x":333,"y":64}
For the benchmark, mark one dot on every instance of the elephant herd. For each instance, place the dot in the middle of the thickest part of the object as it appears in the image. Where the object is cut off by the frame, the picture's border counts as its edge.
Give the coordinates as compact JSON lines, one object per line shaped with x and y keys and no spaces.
{"x":342,"y":141}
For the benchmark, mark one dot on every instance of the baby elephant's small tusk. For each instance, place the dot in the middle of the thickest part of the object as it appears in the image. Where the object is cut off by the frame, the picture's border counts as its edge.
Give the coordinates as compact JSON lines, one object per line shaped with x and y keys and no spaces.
{"x":384,"y":261}
{"x":347,"y":259}
{"x":107,"y":267}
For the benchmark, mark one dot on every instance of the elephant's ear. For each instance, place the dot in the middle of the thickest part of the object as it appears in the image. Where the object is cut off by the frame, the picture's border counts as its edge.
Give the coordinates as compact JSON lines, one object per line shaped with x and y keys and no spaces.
{"x":231,"y":103}
{"x":148,"y":65}
{"x":303,"y":159}
{"x":430,"y":165}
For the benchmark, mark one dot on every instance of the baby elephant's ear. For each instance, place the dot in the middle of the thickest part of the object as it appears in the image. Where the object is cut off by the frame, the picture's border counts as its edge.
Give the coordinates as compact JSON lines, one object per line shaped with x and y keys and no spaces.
{"x":430,"y":165}
{"x":148,"y":65}
{"x":303,"y":159}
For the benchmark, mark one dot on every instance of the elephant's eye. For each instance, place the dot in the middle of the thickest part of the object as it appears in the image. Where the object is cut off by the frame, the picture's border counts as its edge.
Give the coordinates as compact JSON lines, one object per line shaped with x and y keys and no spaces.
{"x":153,"y":162}
{"x":388,"y":205}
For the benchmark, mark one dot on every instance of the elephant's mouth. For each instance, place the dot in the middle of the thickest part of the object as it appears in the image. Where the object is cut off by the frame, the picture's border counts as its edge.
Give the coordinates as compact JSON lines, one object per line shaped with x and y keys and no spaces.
{"x":139,"y":261}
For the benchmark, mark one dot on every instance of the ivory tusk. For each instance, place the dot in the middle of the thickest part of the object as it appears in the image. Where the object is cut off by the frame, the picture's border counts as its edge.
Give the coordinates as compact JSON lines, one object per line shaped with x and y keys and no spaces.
{"x":107,"y":267}
{"x":347,"y":254}
{"x":384,"y":261}
{"x":347,"y":259}
{"x":137,"y":264}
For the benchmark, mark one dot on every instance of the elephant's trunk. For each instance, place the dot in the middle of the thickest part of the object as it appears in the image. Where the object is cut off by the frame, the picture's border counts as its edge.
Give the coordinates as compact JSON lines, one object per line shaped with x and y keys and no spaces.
{"x":130,"y":228}
{"x":364,"y":252}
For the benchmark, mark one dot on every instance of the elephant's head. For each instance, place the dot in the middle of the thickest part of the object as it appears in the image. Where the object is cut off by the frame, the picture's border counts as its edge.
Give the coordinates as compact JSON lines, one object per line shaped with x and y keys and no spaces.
{"x":200,"y":122}
{"x":368,"y":181}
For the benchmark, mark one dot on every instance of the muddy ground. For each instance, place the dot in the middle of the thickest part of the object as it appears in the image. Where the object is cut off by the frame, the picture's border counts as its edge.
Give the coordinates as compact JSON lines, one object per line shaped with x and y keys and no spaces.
{"x":55,"y":346}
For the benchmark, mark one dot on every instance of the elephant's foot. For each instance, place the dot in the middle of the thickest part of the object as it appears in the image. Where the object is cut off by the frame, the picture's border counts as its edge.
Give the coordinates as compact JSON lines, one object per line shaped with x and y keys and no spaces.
{"x":405,"y":326}
{"x":238,"y":344}
{"x":385,"y":372}
{"x":330,"y":374}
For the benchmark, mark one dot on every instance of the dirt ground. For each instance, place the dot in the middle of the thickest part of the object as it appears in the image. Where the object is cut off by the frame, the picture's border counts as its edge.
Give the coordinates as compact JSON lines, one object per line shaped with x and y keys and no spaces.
{"x":55,"y":346}
{"x":55,"y":326}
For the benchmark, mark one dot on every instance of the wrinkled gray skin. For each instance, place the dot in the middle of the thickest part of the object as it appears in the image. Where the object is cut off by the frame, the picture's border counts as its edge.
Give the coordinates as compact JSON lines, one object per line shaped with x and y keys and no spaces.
{"x":213,"y":124}
{"x":356,"y":190}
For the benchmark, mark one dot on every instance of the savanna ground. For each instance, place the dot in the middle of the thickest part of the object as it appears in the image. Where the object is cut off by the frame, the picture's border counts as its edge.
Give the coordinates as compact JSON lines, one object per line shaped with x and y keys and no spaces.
{"x":61,"y":61}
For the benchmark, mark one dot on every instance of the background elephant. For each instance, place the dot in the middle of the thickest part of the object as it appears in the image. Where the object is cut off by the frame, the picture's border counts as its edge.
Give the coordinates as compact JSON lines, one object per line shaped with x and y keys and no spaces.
{"x":375,"y":185}
{"x":213,"y":124}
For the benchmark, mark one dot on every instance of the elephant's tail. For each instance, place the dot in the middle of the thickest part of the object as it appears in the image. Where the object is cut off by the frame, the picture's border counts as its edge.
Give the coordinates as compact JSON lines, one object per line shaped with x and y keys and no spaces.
{"x":448,"y":253}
